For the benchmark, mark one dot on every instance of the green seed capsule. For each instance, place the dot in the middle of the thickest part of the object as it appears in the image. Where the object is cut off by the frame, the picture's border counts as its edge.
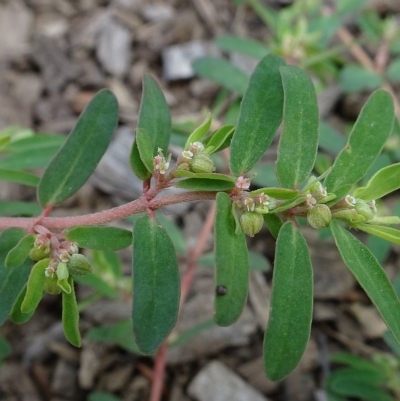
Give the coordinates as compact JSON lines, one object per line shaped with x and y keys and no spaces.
{"x":16,"y":315}
{"x":70,"y":316}
{"x":251,"y":223}
{"x":319,"y":216}
{"x":79,"y":265}
{"x":35,"y":286}
{"x":202,"y":163}
{"x":51,"y":285}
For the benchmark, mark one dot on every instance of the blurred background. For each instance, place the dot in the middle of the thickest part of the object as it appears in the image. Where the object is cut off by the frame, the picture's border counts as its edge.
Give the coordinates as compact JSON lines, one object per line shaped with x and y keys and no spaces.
{"x":56,"y":54}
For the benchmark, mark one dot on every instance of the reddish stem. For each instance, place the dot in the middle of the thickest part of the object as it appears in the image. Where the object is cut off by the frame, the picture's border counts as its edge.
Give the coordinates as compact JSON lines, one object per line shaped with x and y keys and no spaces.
{"x":159,"y":373}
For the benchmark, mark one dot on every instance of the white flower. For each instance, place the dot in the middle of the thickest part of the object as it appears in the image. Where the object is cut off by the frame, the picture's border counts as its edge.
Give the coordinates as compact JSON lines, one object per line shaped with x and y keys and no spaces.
{"x":350,"y":200}
{"x":187,"y":154}
{"x":250,"y":205}
{"x":242,"y":183}
{"x":310,"y":201}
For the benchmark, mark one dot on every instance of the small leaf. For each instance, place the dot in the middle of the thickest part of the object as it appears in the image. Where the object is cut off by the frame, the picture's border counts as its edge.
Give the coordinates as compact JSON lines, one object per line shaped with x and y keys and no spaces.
{"x":368,"y":272}
{"x":353,"y":78}
{"x":77,"y":159}
{"x":36,"y":144}
{"x":35,"y":285}
{"x":17,"y":255}
{"x":330,"y":140}
{"x":260,"y":115}
{"x":290,"y":316}
{"x":222,"y":72}
{"x":99,"y":237}
{"x":205,"y":184}
{"x":220,"y":139}
{"x":16,"y":315}
{"x":289,"y":204}
{"x":156,"y":287}
{"x":382,"y":183}
{"x":11,"y":280}
{"x":388,"y":233}
{"x":247,"y":46}
{"x":19,"y":177}
{"x":70,"y":316}
{"x":274,"y":223}
{"x":155,"y":119}
{"x":210,"y":176}
{"x":231,"y":264}
{"x":173,"y":231}
{"x":366,"y":140}
{"x":145,"y":147}
{"x":199,"y":132}
{"x":299,"y":140}
{"x":19,"y":209}
{"x":280,"y":193}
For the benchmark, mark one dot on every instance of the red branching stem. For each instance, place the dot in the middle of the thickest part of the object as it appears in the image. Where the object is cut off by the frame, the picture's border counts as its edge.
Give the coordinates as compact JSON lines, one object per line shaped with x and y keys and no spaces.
{"x":159,"y":373}
{"x":118,"y":213}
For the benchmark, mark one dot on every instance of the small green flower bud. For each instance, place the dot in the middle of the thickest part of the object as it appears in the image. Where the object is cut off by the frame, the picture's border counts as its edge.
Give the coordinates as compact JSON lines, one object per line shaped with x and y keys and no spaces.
{"x":364,"y":209}
{"x":345,"y":214}
{"x":202,"y":163}
{"x":251,"y":223}
{"x":41,"y":248}
{"x":62,"y":271}
{"x":319,"y":216}
{"x":78,"y":265}
{"x":51,"y":286}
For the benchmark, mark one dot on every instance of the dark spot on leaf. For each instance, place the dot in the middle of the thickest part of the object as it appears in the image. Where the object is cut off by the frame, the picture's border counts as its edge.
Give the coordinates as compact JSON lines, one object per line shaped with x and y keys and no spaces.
{"x":221,"y":290}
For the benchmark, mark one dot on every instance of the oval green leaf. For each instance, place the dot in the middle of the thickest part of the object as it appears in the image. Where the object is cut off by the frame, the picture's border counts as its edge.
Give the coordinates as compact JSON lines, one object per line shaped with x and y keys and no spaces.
{"x":247,"y":46}
{"x":145,"y":147}
{"x":70,"y":316}
{"x":290,"y":316}
{"x":366,"y":140}
{"x":19,"y":209}
{"x":11,"y":280}
{"x":299,"y":139}
{"x":260,"y":115}
{"x":75,"y":162}
{"x":280,"y":193}
{"x":382,"y":183}
{"x":99,"y":237}
{"x":156,"y":285}
{"x":388,"y":233}
{"x":16,"y":315}
{"x":222,"y":72}
{"x":17,"y":255}
{"x":19,"y":177}
{"x":205,"y":184}
{"x":371,"y":276}
{"x":210,"y":176}
{"x":35,"y":285}
{"x":274,"y":223}
{"x":231,"y":264}
{"x":200,"y":131}
{"x":155,"y":119}
{"x":220,"y":139}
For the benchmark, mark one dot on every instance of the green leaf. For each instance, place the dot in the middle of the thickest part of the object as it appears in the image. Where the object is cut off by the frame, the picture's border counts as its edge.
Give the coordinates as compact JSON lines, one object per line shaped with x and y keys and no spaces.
{"x":35,"y":285}
{"x":119,"y":334}
{"x":356,"y":362}
{"x":78,"y":157}
{"x":11,"y":280}
{"x":209,"y":176}
{"x":17,"y":255}
{"x":99,"y":237}
{"x":280,"y":193}
{"x":155,"y":119}
{"x":391,"y":342}
{"x":173,"y":232}
{"x":264,"y":175}
{"x":379,"y":247}
{"x":289,"y":204}
{"x":249,"y":47}
{"x":260,"y":115}
{"x":145,"y":147}
{"x":222,"y":72}
{"x":156,"y":287}
{"x":20,"y":177}
{"x":357,"y":383}
{"x":200,"y":131}
{"x":19,"y":209}
{"x":70,"y":316}
{"x":16,"y":315}
{"x":220,"y":139}
{"x":98,"y":284}
{"x":382,"y":183}
{"x":388,"y":233}
{"x":290,"y":316}
{"x":274,"y":223}
{"x":354,"y":78}
{"x":205,"y":184}
{"x":370,"y":275}
{"x":364,"y":144}
{"x":36,"y":143}
{"x":231,"y":264}
{"x":256,"y":261}
{"x":299,"y":140}
{"x":393,"y":71}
